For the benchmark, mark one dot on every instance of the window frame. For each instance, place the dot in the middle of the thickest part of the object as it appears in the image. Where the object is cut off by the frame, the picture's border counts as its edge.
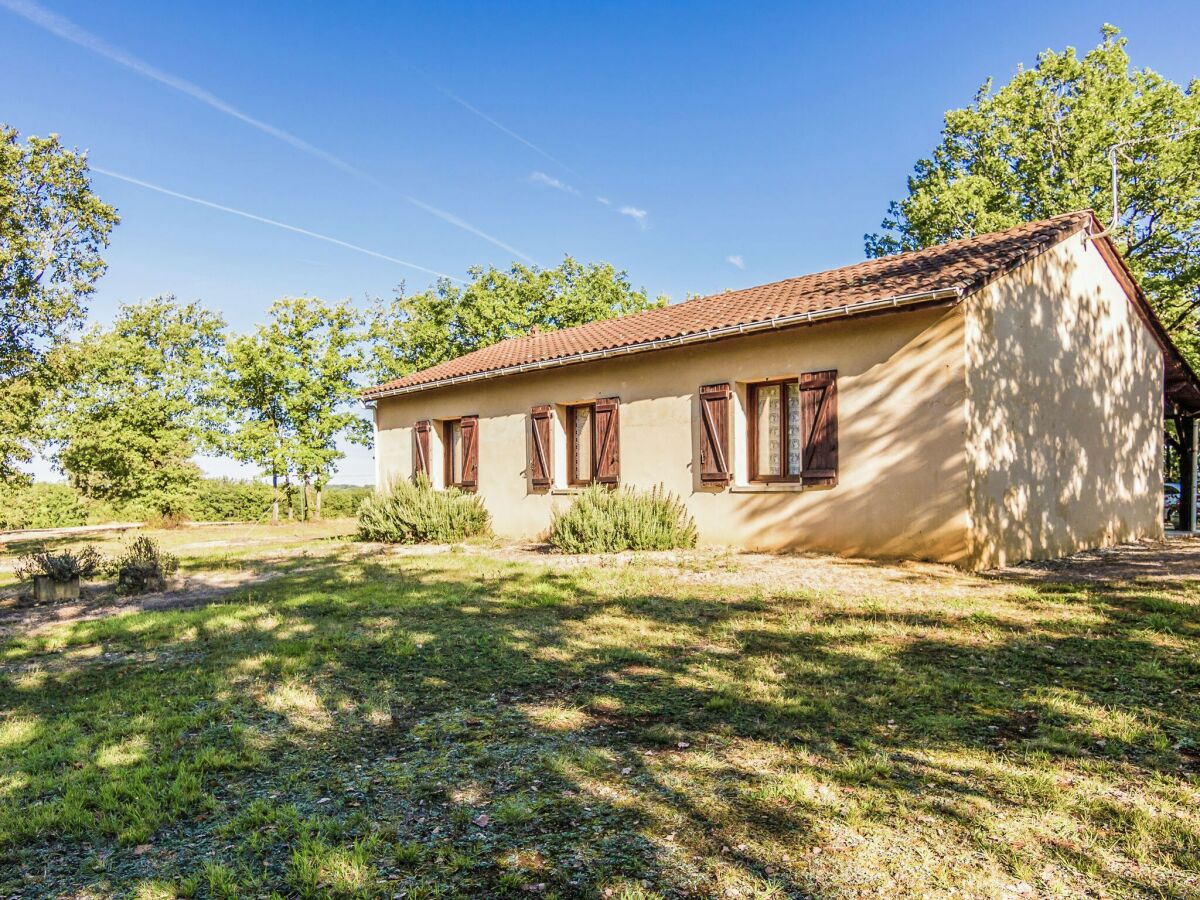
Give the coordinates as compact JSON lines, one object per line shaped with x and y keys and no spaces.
{"x":448,"y":452}
{"x":572,"y":479}
{"x":752,"y":390}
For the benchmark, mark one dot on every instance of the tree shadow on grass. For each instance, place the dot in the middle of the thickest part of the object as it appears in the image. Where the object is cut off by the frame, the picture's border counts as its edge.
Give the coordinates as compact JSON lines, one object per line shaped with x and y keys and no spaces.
{"x":618,"y":734}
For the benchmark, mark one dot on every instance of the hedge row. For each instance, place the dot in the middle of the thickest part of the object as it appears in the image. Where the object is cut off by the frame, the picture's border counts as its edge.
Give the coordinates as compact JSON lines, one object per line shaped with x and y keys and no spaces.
{"x":44,"y":505}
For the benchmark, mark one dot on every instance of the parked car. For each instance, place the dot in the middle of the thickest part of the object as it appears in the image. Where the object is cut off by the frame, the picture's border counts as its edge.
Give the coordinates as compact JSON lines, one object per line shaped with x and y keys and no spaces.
{"x":1171,"y":495}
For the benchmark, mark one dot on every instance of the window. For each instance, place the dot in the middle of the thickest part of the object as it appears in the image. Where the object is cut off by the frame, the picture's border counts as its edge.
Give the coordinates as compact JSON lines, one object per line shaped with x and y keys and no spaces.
{"x":452,"y":442}
{"x":775,"y":431}
{"x":594,"y":442}
{"x":794,"y":429}
{"x":461,"y":451}
{"x":581,"y":441}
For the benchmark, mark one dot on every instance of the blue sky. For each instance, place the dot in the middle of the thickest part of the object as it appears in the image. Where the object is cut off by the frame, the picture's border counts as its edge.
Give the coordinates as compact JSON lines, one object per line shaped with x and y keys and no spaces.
{"x":699,"y":146}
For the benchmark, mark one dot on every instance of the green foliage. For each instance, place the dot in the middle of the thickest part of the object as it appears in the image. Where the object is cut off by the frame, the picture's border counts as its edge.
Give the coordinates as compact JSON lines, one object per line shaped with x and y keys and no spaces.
{"x":601,"y":520}
{"x":140,"y":403}
{"x":62,"y":566}
{"x":446,"y":321}
{"x":230,"y":500}
{"x":341,"y":501}
{"x":412,"y":512}
{"x":41,"y":505}
{"x":52,"y":228}
{"x":143,"y":566}
{"x":1038,"y":146}
{"x":291,"y":390}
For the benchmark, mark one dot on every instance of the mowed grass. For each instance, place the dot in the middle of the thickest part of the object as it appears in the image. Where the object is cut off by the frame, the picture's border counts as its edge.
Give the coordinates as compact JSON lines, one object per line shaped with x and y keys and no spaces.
{"x":483,"y":724}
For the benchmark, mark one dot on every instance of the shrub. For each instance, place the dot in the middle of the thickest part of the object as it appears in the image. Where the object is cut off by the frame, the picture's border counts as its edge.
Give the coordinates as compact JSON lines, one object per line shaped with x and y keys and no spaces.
{"x":607,"y":521}
{"x":340,"y":501}
{"x":41,"y":505}
{"x":230,"y":500}
{"x":412,"y":512}
{"x":144,"y":566}
{"x":61,"y":567}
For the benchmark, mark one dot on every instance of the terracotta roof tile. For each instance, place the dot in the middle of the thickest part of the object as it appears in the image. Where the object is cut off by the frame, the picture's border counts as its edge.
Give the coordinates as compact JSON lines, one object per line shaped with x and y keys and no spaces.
{"x":965,"y":265}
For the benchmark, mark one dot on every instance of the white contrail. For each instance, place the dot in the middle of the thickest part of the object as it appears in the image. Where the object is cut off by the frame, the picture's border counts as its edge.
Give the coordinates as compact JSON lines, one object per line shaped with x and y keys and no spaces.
{"x":246,"y":215}
{"x":500,"y":125}
{"x":67,"y":30}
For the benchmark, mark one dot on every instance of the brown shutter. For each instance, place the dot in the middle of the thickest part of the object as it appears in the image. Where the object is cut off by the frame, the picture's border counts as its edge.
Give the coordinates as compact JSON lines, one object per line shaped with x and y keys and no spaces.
{"x":541,"y":475}
{"x":819,"y":424}
{"x":469,"y":426}
{"x":714,"y":434}
{"x":607,"y":437}
{"x":421,"y":439}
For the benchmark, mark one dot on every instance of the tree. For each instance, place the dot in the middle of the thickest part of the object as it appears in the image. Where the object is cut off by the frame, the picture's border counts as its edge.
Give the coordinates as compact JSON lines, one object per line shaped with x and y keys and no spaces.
{"x":1039,"y":146}
{"x":291,"y":388}
{"x":414,"y":332}
{"x":139,"y":402}
{"x":52,"y":228}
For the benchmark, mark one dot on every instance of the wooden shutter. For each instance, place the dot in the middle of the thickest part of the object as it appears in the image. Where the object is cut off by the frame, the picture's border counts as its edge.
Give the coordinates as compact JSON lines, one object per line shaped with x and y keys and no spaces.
{"x":606,"y":435}
{"x":469,"y":426}
{"x":819,"y":427}
{"x":714,"y":434}
{"x":421,"y":439}
{"x":541,"y":474}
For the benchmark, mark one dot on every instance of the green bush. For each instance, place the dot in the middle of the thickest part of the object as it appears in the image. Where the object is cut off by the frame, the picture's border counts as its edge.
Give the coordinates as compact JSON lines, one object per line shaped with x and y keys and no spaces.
{"x":341,"y":501}
{"x":230,"y":500}
{"x":41,"y":505}
{"x":414,"y":513}
{"x":608,"y":521}
{"x":143,"y":566}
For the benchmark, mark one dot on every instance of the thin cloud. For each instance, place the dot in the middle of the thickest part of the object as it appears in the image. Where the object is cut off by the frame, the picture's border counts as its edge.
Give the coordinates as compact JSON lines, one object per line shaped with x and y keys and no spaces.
{"x":736,"y":260}
{"x":551,"y":181}
{"x":67,"y":30}
{"x":638,"y":215}
{"x":256,"y":218}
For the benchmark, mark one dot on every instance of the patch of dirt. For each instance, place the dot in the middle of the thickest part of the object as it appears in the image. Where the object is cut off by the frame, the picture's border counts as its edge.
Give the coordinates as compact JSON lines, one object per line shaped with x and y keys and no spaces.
{"x":1176,"y":557}
{"x":99,"y":602}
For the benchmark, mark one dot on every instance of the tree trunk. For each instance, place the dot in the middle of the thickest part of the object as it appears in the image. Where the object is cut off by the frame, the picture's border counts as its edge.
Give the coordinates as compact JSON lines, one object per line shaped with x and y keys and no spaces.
{"x":287,"y":486}
{"x":307,"y":488}
{"x":274,"y":498}
{"x":317,"y":508}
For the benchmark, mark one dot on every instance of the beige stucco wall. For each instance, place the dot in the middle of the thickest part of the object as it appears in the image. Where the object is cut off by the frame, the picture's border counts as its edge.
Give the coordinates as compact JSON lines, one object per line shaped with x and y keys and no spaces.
{"x":902,"y":414}
{"x":1064,"y":405}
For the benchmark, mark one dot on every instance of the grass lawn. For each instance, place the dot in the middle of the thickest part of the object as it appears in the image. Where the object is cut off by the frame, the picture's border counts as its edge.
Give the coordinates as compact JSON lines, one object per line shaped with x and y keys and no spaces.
{"x":484,"y":722}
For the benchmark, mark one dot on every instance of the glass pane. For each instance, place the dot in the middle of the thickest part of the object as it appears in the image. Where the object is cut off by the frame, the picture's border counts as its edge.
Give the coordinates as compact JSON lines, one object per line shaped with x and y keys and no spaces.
{"x":455,"y":453}
{"x":768,"y":430}
{"x":583,"y":444}
{"x":793,"y":429}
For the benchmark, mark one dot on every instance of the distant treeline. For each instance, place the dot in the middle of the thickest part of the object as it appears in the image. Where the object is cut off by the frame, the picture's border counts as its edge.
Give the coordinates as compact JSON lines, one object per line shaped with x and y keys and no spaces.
{"x":46,"y":505}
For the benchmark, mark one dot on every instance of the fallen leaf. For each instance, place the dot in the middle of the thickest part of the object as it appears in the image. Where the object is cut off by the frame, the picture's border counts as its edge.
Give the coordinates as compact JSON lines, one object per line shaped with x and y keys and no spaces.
{"x":481,"y":820}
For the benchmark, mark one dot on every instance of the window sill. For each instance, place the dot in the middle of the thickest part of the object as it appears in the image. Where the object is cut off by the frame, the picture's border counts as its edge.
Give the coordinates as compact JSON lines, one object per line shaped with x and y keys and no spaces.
{"x":770,"y":487}
{"x":576,"y":489}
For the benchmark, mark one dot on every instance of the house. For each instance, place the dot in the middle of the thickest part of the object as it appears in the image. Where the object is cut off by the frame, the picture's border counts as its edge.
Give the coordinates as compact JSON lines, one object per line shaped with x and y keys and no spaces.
{"x":986,"y":401}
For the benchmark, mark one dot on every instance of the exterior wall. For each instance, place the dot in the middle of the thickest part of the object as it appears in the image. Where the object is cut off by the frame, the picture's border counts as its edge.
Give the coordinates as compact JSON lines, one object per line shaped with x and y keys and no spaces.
{"x":902,"y":424}
{"x":1064,"y":406}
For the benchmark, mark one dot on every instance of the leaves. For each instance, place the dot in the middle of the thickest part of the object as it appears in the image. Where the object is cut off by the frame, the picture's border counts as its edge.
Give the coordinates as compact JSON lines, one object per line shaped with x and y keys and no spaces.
{"x":446,"y":321}
{"x":139,"y":402}
{"x":1039,"y":145}
{"x":290,"y":387}
{"x":52,"y":228}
